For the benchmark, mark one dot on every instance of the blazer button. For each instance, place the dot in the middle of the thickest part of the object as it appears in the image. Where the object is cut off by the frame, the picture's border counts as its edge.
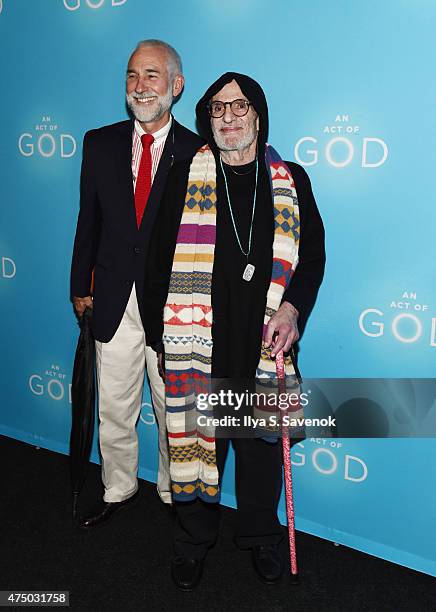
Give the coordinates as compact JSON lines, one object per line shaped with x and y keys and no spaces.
{"x":136,"y":250}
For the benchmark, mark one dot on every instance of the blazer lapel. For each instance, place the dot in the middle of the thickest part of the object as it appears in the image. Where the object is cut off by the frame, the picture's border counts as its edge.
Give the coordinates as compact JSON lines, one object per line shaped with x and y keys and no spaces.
{"x":125,"y":191}
{"x":159,"y":181}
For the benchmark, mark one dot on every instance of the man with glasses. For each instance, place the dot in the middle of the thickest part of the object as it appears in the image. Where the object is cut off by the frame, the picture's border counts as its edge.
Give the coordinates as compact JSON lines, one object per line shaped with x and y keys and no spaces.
{"x":234,"y":222}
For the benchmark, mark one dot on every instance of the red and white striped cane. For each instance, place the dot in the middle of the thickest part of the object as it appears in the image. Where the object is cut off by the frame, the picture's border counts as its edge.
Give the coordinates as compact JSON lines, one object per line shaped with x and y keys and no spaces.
{"x":280,"y":370}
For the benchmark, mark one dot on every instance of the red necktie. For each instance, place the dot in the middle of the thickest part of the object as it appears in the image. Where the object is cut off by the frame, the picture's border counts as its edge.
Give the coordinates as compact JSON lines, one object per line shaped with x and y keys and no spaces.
{"x":143,"y":181}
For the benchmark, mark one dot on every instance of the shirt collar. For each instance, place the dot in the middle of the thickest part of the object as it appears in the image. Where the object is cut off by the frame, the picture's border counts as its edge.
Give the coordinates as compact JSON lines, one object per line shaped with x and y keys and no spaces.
{"x":159,"y":135}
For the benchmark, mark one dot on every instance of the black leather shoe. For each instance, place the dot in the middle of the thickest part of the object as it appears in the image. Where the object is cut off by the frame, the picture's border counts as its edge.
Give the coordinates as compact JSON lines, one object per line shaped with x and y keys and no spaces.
{"x":268,"y":563}
{"x":105,"y":511}
{"x":186,"y":573}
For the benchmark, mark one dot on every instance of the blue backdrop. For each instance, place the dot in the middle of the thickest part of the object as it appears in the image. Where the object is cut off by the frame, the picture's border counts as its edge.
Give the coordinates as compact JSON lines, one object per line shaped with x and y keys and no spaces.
{"x":351,"y":99}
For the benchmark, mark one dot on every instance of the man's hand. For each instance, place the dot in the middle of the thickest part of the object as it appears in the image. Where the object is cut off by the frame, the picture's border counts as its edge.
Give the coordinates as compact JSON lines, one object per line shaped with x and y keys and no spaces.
{"x":80,"y":303}
{"x":282,"y":330}
{"x":161,"y":365}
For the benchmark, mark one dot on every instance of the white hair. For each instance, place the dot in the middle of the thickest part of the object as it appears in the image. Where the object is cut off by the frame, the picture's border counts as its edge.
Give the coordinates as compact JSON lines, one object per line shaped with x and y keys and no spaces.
{"x":174,"y":63}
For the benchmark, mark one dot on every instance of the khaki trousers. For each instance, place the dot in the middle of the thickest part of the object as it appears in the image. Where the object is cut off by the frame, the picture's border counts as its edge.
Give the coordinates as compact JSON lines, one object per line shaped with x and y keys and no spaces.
{"x":121,"y":365}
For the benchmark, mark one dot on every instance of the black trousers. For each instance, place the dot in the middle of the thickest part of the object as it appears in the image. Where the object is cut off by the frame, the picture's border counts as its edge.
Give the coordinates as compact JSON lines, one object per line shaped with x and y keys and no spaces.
{"x":258,"y":484}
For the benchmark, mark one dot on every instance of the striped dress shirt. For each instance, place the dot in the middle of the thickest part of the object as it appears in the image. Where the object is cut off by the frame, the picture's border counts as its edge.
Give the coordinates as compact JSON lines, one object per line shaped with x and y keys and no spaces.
{"x":156,"y":148}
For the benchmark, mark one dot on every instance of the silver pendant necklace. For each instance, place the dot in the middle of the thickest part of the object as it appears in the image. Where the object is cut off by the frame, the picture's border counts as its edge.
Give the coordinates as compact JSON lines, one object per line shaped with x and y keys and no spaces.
{"x":249,"y":268}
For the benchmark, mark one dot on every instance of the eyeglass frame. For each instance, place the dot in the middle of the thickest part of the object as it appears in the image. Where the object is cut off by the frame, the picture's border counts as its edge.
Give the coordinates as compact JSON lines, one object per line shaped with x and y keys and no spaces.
{"x":248,"y":103}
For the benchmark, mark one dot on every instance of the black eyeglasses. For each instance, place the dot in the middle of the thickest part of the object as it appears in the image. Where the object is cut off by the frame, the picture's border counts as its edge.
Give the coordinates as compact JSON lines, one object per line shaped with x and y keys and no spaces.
{"x":238,"y":107}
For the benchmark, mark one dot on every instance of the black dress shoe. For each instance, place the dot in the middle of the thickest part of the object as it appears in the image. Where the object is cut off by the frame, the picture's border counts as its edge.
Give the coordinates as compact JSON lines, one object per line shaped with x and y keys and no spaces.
{"x":186,"y":573}
{"x":268,"y":563}
{"x":105,"y":511}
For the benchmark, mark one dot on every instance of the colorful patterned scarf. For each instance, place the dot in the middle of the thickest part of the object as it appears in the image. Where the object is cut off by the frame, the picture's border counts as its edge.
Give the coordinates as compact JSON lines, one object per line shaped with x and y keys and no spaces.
{"x":188,"y":317}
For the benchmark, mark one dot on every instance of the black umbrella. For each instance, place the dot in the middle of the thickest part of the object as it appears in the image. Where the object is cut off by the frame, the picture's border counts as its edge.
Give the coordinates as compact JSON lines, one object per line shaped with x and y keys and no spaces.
{"x":83,"y":405}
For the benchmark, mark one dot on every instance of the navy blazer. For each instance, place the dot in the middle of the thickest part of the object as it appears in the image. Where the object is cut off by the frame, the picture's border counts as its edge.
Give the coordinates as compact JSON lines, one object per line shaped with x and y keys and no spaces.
{"x":108,"y":240}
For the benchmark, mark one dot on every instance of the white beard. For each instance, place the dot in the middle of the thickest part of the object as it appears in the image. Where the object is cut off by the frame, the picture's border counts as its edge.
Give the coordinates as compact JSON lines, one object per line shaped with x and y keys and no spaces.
{"x":152,"y":112}
{"x":243,"y":142}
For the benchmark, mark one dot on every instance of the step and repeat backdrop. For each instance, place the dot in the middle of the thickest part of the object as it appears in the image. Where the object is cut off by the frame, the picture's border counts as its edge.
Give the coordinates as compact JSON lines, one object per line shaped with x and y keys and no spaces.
{"x":351,"y":99}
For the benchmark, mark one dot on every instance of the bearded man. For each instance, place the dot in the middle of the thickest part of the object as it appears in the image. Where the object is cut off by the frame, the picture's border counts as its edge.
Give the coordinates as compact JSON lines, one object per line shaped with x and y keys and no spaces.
{"x":124,"y":169}
{"x":225,"y":294}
